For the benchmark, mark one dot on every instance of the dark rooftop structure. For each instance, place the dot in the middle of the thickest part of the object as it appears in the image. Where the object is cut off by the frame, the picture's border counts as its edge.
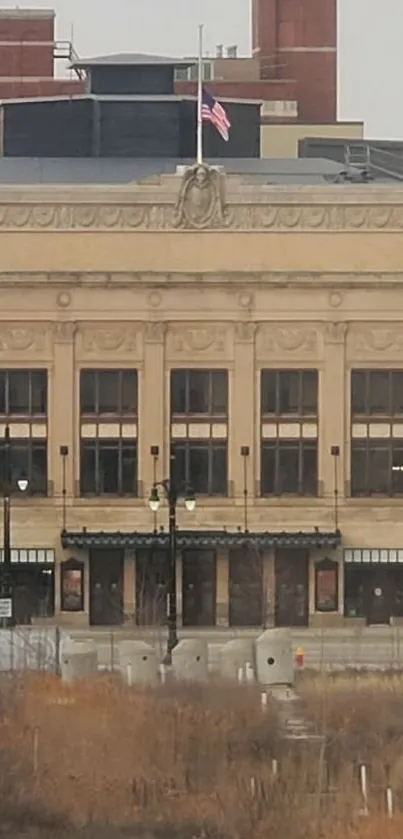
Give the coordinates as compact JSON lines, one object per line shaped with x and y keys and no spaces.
{"x":259,"y":171}
{"x":130,"y":59}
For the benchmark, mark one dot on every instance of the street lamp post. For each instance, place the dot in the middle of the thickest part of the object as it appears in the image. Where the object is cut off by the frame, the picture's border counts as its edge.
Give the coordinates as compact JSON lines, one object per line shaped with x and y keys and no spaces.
{"x":6,"y":599}
{"x":172,"y":495}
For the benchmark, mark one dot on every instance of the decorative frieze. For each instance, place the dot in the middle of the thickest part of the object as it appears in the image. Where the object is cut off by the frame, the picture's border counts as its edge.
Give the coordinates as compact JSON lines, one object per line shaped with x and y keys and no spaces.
{"x":197,"y":338}
{"x":107,"y":338}
{"x":376,"y":341}
{"x":20,"y":339}
{"x":288,"y":338}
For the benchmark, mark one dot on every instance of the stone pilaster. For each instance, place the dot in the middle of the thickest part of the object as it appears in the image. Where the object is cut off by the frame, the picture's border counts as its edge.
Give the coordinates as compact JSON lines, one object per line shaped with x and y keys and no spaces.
{"x":242,"y":413}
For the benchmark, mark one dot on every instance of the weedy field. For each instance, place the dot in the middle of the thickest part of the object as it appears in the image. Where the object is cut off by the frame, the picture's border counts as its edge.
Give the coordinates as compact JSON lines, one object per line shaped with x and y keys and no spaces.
{"x":99,"y":759}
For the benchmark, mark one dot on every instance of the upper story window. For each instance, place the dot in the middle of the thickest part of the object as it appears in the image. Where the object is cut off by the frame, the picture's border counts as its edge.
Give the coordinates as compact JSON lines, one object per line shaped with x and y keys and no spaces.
{"x":23,"y":393}
{"x":200,"y":392}
{"x":108,"y":392}
{"x":190,"y":74}
{"x":289,"y":392}
{"x":377,"y":393}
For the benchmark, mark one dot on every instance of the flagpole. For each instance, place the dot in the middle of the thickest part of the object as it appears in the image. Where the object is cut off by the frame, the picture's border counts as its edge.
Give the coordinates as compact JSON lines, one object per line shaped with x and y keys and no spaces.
{"x":200,"y":99}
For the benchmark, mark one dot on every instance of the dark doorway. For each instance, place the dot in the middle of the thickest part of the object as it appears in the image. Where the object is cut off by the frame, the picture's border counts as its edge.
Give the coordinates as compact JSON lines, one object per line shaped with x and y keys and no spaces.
{"x":246,"y":588}
{"x":33,"y":593}
{"x":106,"y":588}
{"x":373,"y":592}
{"x":152,"y":576}
{"x":292,"y":588}
{"x":199,"y":573}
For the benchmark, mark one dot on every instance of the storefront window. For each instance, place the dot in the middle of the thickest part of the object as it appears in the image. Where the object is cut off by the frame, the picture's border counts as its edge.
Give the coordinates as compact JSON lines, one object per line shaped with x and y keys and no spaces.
{"x":326,"y":586}
{"x":72,"y":586}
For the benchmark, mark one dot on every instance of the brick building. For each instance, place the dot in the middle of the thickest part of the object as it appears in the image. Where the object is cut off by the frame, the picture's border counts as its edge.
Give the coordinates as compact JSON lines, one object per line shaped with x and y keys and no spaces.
{"x":28,"y":50}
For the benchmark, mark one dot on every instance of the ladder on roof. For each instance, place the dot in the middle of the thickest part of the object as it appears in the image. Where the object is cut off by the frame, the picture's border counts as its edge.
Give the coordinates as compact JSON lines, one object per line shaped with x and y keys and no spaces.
{"x":65,"y":51}
{"x":358,"y":156}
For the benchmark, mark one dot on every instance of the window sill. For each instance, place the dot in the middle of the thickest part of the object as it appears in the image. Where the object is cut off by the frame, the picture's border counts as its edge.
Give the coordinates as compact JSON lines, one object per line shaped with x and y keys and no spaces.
{"x":292,"y":499}
{"x":383,"y":500}
{"x":114,"y":500}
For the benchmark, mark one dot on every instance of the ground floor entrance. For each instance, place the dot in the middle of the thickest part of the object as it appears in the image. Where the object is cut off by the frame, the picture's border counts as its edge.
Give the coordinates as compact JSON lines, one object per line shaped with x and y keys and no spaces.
{"x":106,"y":587}
{"x":291,"y":588}
{"x":373,"y":592}
{"x":199,"y":579}
{"x":245,"y":590}
{"x":33,"y":593}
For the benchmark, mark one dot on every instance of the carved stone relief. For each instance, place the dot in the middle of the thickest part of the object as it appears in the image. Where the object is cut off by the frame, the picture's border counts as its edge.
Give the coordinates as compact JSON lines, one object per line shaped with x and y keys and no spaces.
{"x":197,"y":339}
{"x":274,"y":339}
{"x":22,"y":338}
{"x":64,"y":332}
{"x":155,"y":332}
{"x":335,"y":333}
{"x":201,"y":204}
{"x":108,"y":338}
{"x":377,"y":339}
{"x":245,"y":331}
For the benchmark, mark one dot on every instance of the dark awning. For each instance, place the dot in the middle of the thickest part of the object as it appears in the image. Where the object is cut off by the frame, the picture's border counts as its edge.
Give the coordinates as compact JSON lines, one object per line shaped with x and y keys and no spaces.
{"x":202,"y":539}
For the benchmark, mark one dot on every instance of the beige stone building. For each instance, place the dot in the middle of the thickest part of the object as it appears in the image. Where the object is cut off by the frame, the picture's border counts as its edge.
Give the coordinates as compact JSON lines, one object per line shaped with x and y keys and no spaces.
{"x":256,"y":333}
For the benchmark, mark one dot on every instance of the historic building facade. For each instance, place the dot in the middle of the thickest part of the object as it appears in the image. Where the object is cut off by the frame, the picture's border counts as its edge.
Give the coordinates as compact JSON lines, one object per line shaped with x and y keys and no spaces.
{"x":253,"y":333}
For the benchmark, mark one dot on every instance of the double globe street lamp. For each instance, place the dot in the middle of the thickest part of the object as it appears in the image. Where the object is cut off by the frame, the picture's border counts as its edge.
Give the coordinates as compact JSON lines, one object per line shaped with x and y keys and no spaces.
{"x":172,"y":494}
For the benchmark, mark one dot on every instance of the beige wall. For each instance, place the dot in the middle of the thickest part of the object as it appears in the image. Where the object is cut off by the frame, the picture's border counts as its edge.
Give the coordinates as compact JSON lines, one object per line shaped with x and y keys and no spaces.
{"x":282,"y":140}
{"x":316,"y":281}
{"x":236,"y":69}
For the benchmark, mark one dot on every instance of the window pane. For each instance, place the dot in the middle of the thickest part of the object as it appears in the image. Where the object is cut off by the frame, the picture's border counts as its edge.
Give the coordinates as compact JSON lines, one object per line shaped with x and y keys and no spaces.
{"x":108,"y":392}
{"x":3,"y":377}
{"x":178,"y":465}
{"x":129,"y":392}
{"x":397,"y":470}
{"x":379,"y":471}
{"x":108,"y":467}
{"x":268,"y":391}
{"x":19,"y":456}
{"x":198,"y":469}
{"x":359,"y":484}
{"x":309,"y":392}
{"x":358,"y":392}
{"x":19,"y":392}
{"x":219,"y":483}
{"x":288,"y":468}
{"x":87,"y":392}
{"x":129,"y":468}
{"x":199,"y":392}
{"x":379,"y":392}
{"x":309,"y":470}
{"x":39,"y":474}
{"x":39,"y":392}
{"x":87,"y":468}
{"x":289,"y":387}
{"x":268,"y":470}
{"x":178,"y":391}
{"x":397,"y":392}
{"x":219,"y":392}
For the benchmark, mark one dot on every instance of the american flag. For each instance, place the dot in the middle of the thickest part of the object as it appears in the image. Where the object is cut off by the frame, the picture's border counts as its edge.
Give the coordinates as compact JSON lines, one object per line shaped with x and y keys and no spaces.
{"x":213,"y":112}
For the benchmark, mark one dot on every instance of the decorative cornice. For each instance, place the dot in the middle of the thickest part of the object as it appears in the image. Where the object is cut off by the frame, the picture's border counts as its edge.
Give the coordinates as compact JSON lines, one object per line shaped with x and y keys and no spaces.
{"x":234,"y":282}
{"x":217,"y":202}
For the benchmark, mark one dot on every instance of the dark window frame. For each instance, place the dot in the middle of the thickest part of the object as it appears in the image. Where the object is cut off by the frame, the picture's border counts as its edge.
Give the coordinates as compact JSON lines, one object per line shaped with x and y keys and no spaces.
{"x":19,"y":445}
{"x":98,"y":444}
{"x":366,"y":377}
{"x":185,"y":480}
{"x":277,"y":375}
{"x":369,"y":446}
{"x":6,"y":376}
{"x":96,"y":373}
{"x":187,"y":375}
{"x":277,"y":445}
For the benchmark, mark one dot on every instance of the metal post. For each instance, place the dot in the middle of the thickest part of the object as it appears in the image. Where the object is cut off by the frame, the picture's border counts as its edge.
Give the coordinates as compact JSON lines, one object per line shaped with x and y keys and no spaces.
{"x":245,"y":455}
{"x":335,"y":452}
{"x":6,"y":578}
{"x":172,"y":612}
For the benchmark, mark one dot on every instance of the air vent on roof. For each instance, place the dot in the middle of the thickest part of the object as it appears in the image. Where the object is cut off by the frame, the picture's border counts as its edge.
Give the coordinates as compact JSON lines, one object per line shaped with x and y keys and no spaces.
{"x":232,"y":52}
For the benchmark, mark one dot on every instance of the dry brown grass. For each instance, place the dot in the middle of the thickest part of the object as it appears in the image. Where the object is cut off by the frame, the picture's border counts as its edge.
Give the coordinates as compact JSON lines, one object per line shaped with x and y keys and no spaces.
{"x":177,"y":763}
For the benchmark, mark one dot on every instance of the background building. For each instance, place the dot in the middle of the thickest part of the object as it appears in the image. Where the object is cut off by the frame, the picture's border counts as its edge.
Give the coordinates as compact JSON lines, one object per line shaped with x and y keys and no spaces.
{"x":257,"y":336}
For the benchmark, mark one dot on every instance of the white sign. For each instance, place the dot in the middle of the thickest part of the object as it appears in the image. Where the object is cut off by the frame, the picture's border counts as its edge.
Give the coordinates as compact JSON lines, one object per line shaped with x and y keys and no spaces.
{"x":6,"y":607}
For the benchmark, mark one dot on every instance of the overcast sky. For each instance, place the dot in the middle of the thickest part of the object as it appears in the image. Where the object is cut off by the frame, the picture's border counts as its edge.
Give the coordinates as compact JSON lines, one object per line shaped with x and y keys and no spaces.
{"x":370,"y":43}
